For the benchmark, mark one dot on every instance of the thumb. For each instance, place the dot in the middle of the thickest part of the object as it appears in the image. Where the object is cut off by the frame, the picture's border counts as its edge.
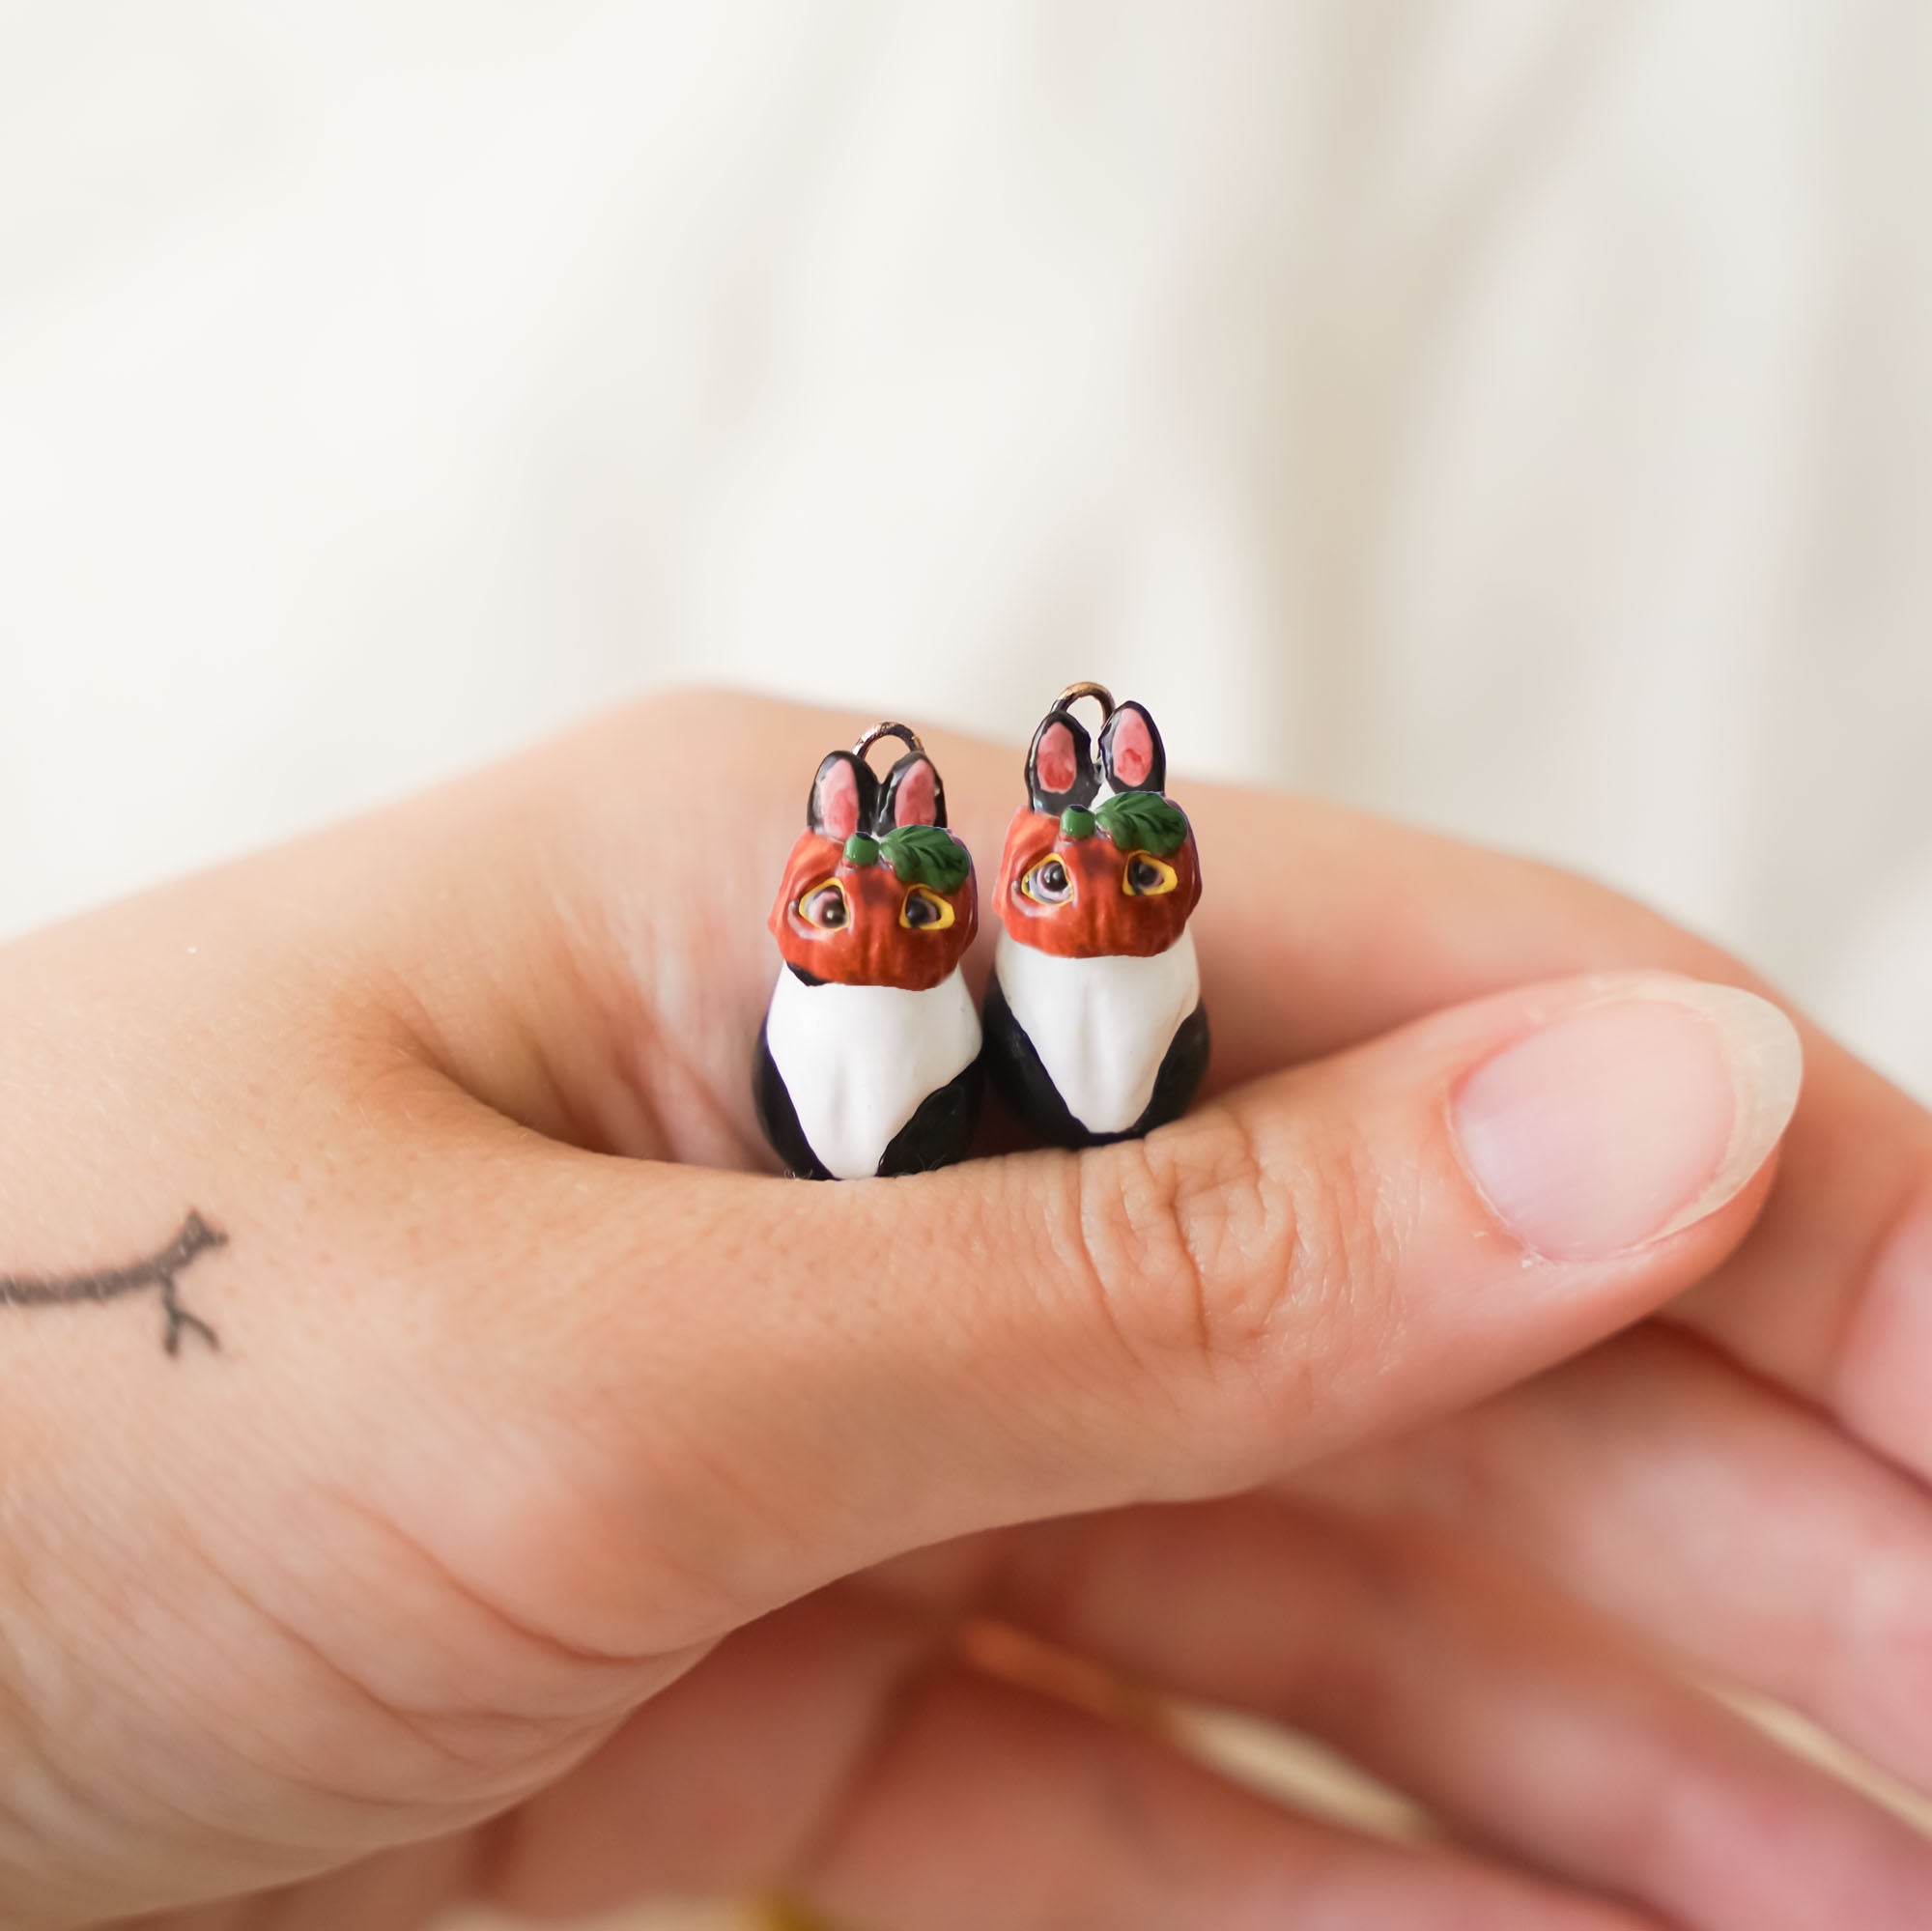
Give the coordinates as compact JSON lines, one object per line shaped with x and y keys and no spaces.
{"x":769,"y":1384}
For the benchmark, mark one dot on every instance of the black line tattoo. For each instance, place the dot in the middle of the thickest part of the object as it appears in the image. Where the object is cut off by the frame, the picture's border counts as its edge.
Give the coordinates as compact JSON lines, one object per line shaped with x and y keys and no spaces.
{"x":157,"y":1270}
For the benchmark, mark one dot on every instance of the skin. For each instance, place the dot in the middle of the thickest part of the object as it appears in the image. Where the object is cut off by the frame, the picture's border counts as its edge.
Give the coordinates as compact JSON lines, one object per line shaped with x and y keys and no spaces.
{"x":574,"y":1512}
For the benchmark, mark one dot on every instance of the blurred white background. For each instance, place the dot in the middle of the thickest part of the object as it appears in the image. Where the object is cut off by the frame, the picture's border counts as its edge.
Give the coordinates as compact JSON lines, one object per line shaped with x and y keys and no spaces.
{"x":1514,"y":415}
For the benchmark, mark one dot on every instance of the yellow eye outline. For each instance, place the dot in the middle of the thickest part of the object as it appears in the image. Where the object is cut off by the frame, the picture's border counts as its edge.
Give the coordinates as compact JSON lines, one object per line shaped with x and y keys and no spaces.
{"x":938,"y":925}
{"x":810,"y":893}
{"x":1034,"y":869}
{"x":1168,"y":880}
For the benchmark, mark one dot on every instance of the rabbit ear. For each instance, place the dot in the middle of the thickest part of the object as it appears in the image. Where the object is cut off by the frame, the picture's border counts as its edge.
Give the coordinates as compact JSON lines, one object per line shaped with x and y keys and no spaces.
{"x":843,"y":796}
{"x":913,"y":794}
{"x":1060,"y":764}
{"x":1131,"y":751}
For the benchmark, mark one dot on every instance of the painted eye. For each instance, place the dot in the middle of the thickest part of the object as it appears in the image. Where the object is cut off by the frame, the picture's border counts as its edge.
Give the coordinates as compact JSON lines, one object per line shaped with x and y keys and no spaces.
{"x":1049,"y":882}
{"x":925,"y":911}
{"x":825,"y":907}
{"x":1147,"y":876}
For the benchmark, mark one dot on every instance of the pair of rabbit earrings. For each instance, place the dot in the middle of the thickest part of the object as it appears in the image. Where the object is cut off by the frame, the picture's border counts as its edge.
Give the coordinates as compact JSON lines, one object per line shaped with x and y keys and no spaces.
{"x":871,"y":1056}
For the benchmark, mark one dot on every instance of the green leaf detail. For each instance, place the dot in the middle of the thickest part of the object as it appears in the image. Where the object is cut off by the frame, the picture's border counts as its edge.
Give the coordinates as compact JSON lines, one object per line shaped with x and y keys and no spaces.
{"x":1074,"y":823}
{"x":1144,"y":821}
{"x":924,"y":855}
{"x":861,"y":850}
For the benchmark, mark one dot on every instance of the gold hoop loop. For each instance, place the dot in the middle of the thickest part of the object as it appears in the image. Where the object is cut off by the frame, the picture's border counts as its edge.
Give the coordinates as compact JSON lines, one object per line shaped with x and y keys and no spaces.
{"x":903,"y":733}
{"x":1099,"y":693}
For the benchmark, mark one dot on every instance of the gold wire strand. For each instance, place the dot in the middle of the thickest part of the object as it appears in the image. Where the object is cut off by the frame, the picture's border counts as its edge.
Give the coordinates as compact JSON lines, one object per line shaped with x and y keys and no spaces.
{"x":905,"y":732}
{"x":1075,"y":691}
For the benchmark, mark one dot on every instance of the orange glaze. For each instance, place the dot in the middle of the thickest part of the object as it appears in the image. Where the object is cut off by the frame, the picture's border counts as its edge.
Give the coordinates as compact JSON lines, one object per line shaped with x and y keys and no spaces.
{"x":872,"y":947}
{"x":1102,"y":918}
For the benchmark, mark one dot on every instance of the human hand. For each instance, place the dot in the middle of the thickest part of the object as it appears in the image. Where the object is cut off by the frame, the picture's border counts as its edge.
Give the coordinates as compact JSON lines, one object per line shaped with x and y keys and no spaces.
{"x":636,"y":1505}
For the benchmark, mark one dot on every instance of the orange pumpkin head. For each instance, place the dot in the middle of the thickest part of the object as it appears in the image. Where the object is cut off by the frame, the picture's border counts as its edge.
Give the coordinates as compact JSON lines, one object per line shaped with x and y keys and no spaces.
{"x":1082,"y":879}
{"x":877,"y":892}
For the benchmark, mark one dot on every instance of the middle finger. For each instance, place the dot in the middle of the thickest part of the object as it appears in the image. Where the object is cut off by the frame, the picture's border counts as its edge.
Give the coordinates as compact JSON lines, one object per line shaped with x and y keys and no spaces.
{"x":1515,"y":1715}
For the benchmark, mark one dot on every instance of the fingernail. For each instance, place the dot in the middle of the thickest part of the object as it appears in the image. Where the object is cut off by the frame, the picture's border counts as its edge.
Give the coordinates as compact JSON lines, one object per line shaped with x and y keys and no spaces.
{"x":1631,"y":1119}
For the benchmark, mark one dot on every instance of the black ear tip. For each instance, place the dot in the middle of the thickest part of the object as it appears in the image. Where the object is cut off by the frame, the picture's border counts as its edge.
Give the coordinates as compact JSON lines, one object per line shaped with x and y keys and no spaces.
{"x":1141,"y":764}
{"x":864,"y":791}
{"x":1045,"y":788}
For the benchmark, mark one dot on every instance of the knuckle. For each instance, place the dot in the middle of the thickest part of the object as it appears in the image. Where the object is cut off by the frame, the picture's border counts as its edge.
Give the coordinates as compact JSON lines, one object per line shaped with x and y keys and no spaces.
{"x":1344,"y":1280}
{"x":1244,"y":1243}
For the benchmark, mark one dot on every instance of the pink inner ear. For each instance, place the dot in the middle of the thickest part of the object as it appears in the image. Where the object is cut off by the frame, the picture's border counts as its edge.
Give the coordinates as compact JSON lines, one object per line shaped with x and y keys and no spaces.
{"x":916,"y":801}
{"x":839,"y":801}
{"x":1133,"y":749}
{"x":1054,"y":762}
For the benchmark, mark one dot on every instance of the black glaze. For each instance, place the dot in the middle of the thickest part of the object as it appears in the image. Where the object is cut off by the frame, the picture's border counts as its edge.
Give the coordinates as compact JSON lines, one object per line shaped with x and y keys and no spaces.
{"x":1088,"y":768}
{"x":779,"y":1117}
{"x":1020,"y":1079}
{"x":862,"y":775}
{"x":878,"y":799}
{"x":1086,"y":776}
{"x":938,"y":1133}
{"x":1156,"y":778}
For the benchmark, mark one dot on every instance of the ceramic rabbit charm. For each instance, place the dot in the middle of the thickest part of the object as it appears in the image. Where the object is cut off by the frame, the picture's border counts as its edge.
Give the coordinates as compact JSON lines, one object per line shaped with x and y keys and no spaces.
{"x":1093,"y":1020}
{"x":868,"y":1060}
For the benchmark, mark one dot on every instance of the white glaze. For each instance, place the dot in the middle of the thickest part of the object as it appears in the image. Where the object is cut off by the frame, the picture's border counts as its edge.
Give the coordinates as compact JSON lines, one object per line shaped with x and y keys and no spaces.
{"x":1101,"y":1027}
{"x":857,"y":1059}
